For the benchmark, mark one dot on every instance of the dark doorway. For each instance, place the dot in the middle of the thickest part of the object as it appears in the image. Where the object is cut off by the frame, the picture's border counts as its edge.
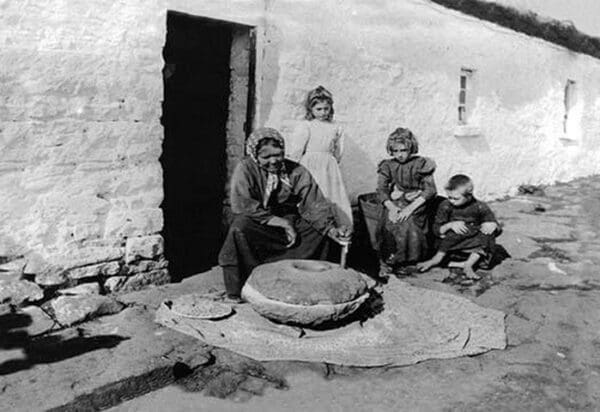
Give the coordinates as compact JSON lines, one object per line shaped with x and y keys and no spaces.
{"x":195,"y":110}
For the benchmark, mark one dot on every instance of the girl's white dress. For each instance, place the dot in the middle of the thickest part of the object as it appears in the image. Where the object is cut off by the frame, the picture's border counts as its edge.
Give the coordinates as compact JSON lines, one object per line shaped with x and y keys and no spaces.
{"x":318,"y":146}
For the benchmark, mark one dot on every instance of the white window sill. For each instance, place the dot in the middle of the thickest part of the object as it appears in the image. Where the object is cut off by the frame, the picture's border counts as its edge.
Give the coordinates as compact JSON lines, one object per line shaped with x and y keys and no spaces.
{"x":465,"y":130}
{"x":569,"y":139}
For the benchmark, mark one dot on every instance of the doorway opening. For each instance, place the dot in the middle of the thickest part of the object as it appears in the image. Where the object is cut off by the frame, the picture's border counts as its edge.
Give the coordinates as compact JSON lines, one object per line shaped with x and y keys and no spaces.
{"x":206,"y":115}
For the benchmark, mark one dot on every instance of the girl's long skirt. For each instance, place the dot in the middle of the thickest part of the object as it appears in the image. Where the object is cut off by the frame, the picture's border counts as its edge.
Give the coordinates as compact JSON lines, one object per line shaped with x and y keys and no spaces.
{"x":405,"y":242}
{"x":249,"y":244}
{"x":325,"y":170}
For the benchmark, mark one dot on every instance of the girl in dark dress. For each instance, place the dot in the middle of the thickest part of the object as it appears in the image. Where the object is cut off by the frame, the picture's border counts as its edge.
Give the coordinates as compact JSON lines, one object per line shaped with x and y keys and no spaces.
{"x":279,"y":213}
{"x":463,"y":224}
{"x":404,"y":186}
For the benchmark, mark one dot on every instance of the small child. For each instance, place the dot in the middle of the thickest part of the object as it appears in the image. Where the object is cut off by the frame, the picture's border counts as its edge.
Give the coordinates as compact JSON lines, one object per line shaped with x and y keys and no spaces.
{"x":404,"y":186}
{"x":317,"y":144}
{"x":463,"y":224}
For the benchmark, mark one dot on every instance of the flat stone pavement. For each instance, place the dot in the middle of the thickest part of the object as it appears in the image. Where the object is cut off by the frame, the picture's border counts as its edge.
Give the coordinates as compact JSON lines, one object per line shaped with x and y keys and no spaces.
{"x":549,"y":289}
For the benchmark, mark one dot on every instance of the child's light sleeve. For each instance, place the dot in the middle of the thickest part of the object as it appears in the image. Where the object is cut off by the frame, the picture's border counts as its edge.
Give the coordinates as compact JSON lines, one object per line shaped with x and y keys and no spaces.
{"x":338,"y":148}
{"x":296,"y":143}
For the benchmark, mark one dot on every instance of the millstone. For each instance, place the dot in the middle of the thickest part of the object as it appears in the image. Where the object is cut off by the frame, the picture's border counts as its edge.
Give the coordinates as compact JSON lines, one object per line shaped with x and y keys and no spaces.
{"x":304,"y":292}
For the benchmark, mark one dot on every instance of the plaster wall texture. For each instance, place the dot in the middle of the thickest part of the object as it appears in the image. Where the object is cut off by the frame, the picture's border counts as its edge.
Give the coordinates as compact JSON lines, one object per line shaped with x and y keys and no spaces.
{"x":81,"y":89}
{"x":79,"y":119}
{"x":80,"y":139}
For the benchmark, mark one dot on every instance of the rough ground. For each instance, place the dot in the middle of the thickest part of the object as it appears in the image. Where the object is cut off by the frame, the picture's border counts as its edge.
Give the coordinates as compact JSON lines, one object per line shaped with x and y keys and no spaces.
{"x":549,"y":289}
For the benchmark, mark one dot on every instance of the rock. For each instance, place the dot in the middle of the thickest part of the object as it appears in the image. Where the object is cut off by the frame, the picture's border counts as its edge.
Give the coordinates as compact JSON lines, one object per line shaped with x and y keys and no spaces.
{"x":532,"y":190}
{"x":305,"y":292}
{"x":102,"y":269}
{"x":115,"y":283}
{"x":51,"y":276}
{"x":74,"y":259}
{"x":14,"y":266}
{"x":87,"y":256}
{"x":16,"y":292}
{"x":41,"y":322}
{"x":35,"y":264}
{"x":145,"y":266}
{"x":73,"y":309}
{"x":13,"y":276}
{"x":83,"y":289}
{"x":5,"y":309}
{"x":141,"y":280}
{"x":145,"y":247}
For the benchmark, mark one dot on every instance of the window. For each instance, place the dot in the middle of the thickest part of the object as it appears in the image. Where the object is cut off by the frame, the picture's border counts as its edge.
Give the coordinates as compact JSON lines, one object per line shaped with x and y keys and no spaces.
{"x":570,"y":102}
{"x":465,"y":75}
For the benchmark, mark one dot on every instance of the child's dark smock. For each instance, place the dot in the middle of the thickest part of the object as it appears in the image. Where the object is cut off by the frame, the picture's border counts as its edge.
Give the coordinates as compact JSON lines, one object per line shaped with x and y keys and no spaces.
{"x":404,"y":242}
{"x":474,"y":213}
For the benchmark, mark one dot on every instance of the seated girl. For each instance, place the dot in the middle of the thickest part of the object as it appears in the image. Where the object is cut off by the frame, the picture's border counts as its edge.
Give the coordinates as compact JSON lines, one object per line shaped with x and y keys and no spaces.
{"x":405,"y":184}
{"x":464,"y":225}
{"x":279,"y":213}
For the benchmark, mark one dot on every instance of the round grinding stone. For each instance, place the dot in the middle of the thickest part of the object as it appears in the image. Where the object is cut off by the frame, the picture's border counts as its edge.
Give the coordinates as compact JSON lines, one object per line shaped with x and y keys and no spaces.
{"x":304,"y":292}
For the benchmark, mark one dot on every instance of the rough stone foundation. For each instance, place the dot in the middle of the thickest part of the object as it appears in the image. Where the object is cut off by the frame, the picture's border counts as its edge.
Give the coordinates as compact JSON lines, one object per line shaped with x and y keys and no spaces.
{"x":75,"y":287}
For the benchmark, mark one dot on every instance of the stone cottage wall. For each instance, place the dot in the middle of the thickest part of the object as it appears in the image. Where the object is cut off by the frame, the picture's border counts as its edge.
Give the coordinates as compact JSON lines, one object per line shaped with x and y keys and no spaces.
{"x":80,"y":139}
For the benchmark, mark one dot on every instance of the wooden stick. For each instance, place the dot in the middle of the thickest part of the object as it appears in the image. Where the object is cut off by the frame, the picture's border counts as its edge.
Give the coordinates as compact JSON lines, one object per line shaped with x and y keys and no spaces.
{"x":345,"y":246}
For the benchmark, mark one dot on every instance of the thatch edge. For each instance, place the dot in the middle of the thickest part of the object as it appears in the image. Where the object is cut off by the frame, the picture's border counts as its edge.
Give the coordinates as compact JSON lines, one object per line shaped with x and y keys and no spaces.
{"x":564,"y":34}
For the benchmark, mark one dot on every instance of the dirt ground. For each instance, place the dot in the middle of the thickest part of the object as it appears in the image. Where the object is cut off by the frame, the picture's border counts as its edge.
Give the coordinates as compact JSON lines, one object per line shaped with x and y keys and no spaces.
{"x":549,"y":289}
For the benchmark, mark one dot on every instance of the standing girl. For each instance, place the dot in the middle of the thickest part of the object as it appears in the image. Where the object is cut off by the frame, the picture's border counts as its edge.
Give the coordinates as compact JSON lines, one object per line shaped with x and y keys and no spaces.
{"x":317,"y":143}
{"x":404,"y":185}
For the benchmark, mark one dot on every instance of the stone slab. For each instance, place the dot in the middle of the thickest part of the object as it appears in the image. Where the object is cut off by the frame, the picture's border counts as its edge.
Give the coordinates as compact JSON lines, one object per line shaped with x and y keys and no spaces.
{"x":115,"y":283}
{"x":142,"y":280}
{"x":144,"y":247}
{"x":18,"y":291}
{"x":208,"y":282}
{"x":105,"y":269}
{"x":41,"y":322}
{"x":83,"y":289}
{"x":69,"y":310}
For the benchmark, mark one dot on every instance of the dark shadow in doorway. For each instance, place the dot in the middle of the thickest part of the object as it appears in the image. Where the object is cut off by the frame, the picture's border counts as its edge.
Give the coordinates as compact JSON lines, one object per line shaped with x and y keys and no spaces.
{"x":195,"y":108}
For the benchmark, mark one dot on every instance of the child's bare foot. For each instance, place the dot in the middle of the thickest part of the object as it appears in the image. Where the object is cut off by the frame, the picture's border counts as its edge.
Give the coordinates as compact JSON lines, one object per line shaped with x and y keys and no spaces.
{"x":454,"y":264}
{"x":470,"y":273}
{"x":425,"y":266}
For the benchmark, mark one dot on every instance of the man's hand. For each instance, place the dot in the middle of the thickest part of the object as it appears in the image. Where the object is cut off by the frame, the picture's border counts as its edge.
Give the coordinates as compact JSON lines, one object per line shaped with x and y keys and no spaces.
{"x":340,"y":234}
{"x":487,"y":228}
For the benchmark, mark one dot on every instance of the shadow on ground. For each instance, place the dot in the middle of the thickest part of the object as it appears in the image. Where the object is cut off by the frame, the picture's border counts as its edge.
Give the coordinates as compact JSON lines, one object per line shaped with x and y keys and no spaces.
{"x":45,"y":349}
